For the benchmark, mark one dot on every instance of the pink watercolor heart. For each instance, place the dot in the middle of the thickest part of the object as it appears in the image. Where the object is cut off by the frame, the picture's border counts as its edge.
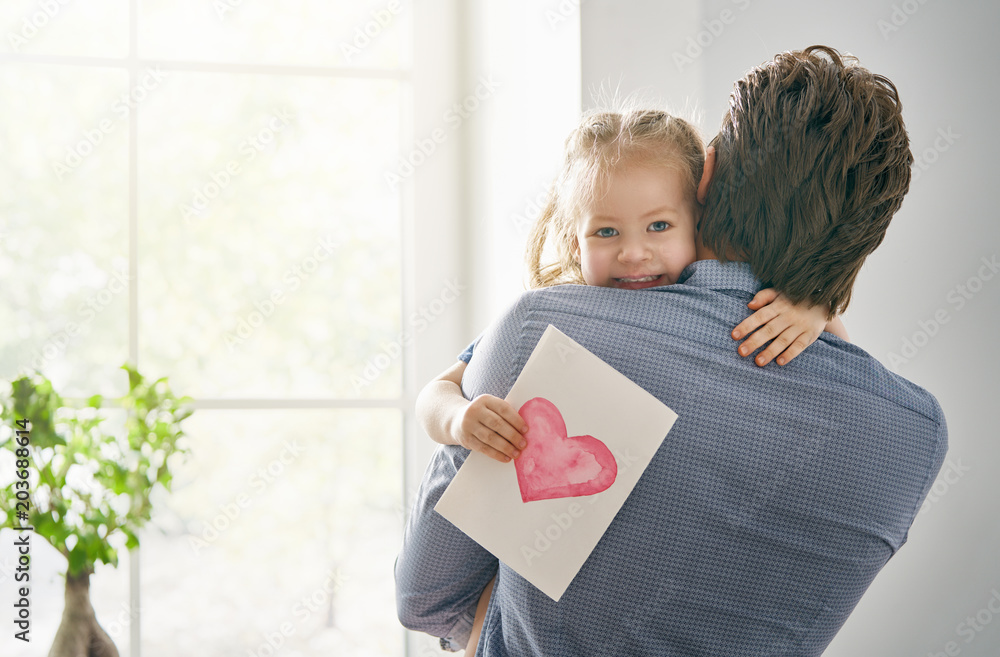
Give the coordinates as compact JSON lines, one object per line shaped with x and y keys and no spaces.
{"x":555,"y":465}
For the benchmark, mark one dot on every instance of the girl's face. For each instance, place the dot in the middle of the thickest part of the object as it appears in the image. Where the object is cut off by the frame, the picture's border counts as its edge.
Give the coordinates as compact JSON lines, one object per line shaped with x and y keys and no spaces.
{"x":640,"y":233}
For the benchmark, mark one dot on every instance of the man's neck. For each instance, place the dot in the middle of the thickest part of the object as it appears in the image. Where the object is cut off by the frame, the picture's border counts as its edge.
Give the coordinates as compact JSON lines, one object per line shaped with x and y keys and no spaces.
{"x":702,"y":252}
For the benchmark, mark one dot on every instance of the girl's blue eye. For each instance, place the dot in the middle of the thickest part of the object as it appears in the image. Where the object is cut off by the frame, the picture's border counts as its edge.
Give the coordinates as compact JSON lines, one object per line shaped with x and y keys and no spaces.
{"x":658,"y":226}
{"x":606,"y":232}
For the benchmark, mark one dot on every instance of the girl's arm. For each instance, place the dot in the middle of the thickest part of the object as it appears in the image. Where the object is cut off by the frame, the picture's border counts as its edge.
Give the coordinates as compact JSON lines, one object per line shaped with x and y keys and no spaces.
{"x":788,"y":327}
{"x":487,"y":424}
{"x":837,"y":327}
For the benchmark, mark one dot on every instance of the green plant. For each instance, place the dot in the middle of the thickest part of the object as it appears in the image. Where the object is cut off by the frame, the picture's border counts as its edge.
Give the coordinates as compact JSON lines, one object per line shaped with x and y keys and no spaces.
{"x":90,"y":486}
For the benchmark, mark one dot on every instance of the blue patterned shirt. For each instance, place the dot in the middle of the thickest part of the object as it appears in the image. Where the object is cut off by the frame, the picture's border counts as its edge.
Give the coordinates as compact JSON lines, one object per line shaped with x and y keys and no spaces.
{"x":772,"y":503}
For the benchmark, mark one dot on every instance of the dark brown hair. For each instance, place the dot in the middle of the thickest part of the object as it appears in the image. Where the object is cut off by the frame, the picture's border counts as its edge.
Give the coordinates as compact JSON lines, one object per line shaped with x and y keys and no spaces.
{"x":812,"y":161}
{"x":603,"y":142}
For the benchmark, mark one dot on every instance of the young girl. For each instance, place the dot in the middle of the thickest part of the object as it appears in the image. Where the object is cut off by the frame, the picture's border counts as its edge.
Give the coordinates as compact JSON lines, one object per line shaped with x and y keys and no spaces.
{"x":623,"y":213}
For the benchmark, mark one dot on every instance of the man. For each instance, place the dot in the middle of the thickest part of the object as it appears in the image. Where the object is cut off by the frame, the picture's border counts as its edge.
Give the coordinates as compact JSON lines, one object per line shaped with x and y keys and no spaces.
{"x":780,"y":492}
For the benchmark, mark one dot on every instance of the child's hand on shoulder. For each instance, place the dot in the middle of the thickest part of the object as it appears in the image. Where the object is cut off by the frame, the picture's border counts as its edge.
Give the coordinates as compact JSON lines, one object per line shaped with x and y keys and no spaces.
{"x":490,"y":425}
{"x":789,"y":327}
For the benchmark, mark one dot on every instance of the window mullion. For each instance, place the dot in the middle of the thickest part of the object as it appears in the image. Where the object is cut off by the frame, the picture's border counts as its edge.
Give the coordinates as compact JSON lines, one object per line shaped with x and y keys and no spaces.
{"x":135,"y":606}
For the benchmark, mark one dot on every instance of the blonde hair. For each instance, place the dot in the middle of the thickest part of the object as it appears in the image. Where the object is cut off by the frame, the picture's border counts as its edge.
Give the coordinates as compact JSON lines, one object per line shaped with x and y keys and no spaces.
{"x":601,"y":143}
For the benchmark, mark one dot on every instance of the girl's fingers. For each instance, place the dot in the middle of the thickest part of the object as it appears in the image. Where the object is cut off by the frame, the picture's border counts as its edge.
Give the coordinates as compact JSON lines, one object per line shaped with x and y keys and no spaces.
{"x":753,"y":322}
{"x":793,"y":350}
{"x":502,"y":429}
{"x":784,"y":348}
{"x":508,"y":423}
{"x":760,"y":337}
{"x":500,"y":436}
{"x":491,"y":452}
{"x":774,"y":349}
{"x":507,"y":412}
{"x":763,"y":298}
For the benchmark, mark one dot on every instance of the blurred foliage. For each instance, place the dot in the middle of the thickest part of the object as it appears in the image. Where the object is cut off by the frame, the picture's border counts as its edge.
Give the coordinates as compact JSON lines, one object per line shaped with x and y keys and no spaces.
{"x":88,"y":485}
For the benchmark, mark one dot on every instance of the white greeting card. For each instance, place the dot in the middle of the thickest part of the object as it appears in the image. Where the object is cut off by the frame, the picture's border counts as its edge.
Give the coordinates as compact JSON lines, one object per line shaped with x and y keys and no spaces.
{"x":591,"y":434}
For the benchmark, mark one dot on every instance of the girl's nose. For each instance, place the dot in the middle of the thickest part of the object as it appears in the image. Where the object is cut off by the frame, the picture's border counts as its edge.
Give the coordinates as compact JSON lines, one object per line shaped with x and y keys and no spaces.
{"x":634,"y":251}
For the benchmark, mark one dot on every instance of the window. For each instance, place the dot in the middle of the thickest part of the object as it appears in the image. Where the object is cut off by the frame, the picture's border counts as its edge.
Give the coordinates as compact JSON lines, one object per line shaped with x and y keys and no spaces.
{"x":200,"y":187}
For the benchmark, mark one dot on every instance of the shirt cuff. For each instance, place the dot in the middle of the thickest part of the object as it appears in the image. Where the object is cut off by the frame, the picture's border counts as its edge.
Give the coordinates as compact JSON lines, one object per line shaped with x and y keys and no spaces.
{"x":458,"y":637}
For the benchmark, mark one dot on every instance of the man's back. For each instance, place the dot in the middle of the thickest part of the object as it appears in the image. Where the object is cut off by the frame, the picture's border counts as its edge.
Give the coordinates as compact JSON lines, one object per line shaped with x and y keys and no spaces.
{"x":774,"y":500}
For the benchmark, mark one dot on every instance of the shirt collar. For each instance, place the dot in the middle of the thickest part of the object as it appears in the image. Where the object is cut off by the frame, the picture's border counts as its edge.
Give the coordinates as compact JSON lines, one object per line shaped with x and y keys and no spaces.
{"x":716,"y":275}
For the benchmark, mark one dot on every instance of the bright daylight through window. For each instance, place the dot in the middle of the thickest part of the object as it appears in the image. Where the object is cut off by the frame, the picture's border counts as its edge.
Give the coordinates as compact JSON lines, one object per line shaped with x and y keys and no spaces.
{"x":198,"y":187}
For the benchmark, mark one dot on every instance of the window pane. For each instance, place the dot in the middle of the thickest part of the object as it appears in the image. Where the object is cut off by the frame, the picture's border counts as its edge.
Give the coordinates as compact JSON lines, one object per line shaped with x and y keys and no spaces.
{"x":64,"y":227}
{"x":282,"y":528}
{"x":95,"y":28}
{"x":368,"y":33}
{"x":269,"y":239}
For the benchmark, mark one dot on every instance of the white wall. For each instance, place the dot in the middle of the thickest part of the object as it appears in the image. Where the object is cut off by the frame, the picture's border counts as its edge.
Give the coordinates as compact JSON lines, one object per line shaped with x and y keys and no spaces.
{"x":627,"y":51}
{"x":532,"y":49}
{"x":942,"y":58}
{"x":516,"y":97}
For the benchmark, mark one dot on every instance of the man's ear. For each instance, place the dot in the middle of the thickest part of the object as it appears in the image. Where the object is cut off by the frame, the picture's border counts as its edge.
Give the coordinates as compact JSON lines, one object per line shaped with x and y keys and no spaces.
{"x":706,"y":174}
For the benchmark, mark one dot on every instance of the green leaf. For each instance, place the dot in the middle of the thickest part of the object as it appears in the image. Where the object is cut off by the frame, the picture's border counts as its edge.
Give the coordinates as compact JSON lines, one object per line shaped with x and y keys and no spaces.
{"x":62,"y":436}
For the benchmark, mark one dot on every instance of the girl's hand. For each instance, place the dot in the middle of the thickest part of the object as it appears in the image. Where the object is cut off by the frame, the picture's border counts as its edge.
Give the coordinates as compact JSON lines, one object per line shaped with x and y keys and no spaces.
{"x":490,"y":425}
{"x":789,"y":328}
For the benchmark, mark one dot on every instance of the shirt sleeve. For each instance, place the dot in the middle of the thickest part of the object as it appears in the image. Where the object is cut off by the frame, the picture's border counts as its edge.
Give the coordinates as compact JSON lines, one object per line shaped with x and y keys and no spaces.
{"x":936,"y":463}
{"x":466,"y":355}
{"x":499,"y":353}
{"x":440,"y":572}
